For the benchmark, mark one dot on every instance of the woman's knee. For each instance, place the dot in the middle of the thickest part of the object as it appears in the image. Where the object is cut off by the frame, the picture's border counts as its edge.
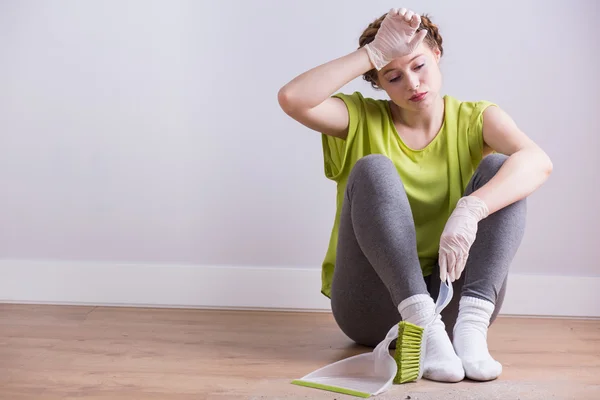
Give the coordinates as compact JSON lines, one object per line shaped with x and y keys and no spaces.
{"x":489,"y":166}
{"x":376,"y":172}
{"x":372,"y":164}
{"x":487,"y":169}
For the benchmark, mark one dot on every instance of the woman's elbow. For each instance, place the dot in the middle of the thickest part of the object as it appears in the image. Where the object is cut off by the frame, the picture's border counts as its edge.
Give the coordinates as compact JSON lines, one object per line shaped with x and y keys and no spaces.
{"x":546,"y":163}
{"x":286,"y":100}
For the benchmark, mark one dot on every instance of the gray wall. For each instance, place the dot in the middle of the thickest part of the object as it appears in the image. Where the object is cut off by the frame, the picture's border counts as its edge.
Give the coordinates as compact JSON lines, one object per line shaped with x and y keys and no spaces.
{"x":149,"y":131}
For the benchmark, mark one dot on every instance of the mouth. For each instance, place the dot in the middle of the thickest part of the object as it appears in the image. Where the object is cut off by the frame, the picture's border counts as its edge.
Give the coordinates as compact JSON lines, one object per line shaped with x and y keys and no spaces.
{"x":418,"y":96}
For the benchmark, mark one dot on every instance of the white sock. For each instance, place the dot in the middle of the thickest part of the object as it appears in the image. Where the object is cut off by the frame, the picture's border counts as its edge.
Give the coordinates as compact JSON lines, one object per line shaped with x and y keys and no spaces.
{"x":441,"y":362}
{"x":470,"y":339}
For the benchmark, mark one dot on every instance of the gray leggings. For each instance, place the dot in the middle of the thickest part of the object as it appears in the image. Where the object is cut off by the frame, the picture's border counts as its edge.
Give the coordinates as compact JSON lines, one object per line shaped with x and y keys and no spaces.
{"x":377,"y":265}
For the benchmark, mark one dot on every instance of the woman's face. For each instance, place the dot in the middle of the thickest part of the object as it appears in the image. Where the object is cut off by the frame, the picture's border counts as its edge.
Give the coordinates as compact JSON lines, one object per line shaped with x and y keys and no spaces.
{"x":414,"y":81}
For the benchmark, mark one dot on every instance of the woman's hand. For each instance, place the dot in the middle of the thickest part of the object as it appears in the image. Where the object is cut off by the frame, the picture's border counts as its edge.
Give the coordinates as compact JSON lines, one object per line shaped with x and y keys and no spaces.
{"x":397,"y":36}
{"x":458,"y":236}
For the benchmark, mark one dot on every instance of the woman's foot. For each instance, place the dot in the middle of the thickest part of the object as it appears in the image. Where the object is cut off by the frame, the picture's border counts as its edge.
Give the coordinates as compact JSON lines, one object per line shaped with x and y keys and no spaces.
{"x":441,"y":362}
{"x":470,"y":339}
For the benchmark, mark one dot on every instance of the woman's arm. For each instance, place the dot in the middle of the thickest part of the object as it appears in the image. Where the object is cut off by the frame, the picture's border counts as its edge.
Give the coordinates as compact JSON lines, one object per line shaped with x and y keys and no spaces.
{"x":307,"y":98}
{"x":526,"y":168}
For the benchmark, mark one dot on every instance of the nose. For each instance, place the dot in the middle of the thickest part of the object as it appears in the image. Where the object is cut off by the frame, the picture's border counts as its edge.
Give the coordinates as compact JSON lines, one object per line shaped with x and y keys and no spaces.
{"x":413,"y":81}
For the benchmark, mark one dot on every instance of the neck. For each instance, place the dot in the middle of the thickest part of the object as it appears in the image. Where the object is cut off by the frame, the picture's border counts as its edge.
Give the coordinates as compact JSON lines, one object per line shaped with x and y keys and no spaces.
{"x":428,"y":120}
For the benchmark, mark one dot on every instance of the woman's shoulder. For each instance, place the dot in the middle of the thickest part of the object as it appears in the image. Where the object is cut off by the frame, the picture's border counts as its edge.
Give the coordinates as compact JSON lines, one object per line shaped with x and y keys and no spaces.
{"x":458,"y":103}
{"x":465,"y":110}
{"x":359,"y":97}
{"x":360,"y":104}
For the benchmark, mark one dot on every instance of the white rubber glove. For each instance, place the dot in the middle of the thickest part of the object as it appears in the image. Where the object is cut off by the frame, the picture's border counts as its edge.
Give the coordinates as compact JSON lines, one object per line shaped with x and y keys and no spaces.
{"x":458,"y":236}
{"x":397,"y":36}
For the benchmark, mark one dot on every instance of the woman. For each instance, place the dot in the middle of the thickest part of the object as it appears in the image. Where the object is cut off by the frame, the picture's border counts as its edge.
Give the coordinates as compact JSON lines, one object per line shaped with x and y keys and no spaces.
{"x":419,"y":194}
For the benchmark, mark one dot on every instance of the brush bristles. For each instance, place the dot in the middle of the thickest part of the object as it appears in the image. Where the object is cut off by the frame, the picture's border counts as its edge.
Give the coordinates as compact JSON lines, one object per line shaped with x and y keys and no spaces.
{"x":408,"y":352}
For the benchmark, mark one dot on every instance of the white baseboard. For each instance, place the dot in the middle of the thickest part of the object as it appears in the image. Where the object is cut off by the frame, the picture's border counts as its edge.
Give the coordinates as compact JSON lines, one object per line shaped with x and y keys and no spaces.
{"x":59,"y":282}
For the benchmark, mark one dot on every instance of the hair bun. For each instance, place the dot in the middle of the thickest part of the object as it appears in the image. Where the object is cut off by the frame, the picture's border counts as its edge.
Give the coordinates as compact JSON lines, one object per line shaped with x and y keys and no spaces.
{"x":433,"y":32}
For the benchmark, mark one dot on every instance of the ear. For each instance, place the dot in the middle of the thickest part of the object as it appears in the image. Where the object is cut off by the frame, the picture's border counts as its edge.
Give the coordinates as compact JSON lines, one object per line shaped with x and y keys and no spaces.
{"x":437,"y":54}
{"x":377,"y":81}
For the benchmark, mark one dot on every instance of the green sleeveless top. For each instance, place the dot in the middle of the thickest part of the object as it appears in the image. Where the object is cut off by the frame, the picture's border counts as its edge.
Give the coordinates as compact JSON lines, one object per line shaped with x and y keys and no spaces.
{"x":434,"y":177}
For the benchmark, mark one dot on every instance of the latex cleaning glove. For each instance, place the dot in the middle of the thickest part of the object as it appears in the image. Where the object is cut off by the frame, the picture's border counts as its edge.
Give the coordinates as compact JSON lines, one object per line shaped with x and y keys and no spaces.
{"x":458,"y":236}
{"x":397,"y":36}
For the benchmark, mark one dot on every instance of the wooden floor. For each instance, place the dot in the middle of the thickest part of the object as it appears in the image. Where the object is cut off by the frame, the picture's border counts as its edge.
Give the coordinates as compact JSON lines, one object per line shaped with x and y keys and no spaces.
{"x":67,"y":352}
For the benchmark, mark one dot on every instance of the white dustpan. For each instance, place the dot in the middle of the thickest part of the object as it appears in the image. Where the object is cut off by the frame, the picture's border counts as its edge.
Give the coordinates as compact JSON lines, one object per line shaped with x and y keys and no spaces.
{"x":367,"y":374}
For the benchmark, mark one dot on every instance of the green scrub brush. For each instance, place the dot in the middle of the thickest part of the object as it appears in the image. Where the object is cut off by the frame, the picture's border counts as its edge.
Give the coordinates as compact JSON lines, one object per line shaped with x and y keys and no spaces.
{"x":411,"y":342}
{"x":408,"y":352}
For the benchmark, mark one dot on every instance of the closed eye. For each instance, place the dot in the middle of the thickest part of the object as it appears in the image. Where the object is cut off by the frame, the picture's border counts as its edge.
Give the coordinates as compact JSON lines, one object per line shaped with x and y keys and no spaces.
{"x":397,"y":78}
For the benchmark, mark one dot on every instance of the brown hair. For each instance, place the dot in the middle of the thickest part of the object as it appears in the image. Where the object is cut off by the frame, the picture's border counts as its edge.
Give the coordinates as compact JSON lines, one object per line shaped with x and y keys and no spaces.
{"x":433,"y":40}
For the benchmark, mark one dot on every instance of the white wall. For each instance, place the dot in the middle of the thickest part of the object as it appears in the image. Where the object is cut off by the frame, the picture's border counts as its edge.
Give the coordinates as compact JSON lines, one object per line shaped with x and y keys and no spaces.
{"x":149,"y":131}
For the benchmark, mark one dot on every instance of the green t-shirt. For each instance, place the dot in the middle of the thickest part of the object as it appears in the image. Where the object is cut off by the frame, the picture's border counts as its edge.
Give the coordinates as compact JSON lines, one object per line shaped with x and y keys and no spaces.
{"x":434,"y":177}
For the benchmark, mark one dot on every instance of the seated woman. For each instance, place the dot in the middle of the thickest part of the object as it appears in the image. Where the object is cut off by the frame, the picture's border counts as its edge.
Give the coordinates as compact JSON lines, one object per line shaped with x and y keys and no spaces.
{"x":419,"y":194}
